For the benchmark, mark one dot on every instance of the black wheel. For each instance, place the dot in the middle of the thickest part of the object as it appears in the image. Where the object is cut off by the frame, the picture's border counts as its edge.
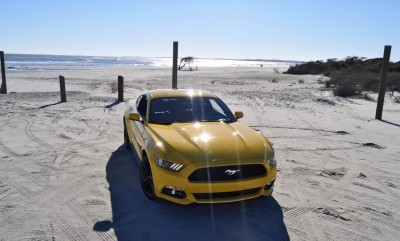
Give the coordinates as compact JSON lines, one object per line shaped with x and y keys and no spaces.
{"x":127,"y":143}
{"x":146,"y":179}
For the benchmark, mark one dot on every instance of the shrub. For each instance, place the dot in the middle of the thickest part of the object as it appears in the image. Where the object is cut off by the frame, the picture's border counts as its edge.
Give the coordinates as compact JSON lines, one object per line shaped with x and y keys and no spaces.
{"x":361,"y":80}
{"x":275,"y":81}
{"x":301,"y":81}
{"x":331,"y":66}
{"x":366,"y":96}
{"x":307,"y":68}
{"x":353,"y":73}
{"x":368,"y":81}
{"x":344,"y":90}
{"x":393,"y":82}
{"x":114,"y":87}
{"x":328,"y":84}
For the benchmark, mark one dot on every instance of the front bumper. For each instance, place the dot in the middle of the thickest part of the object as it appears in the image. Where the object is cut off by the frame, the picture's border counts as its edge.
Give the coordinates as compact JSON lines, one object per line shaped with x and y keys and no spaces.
{"x":210,"y":192}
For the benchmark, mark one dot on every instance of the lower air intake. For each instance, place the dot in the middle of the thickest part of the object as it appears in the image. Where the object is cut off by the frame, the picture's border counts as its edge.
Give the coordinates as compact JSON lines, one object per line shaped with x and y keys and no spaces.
{"x":222,"y":195}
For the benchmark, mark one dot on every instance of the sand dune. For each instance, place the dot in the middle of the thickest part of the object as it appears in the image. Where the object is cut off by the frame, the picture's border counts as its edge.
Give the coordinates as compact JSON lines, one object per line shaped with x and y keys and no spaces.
{"x":64,"y":174}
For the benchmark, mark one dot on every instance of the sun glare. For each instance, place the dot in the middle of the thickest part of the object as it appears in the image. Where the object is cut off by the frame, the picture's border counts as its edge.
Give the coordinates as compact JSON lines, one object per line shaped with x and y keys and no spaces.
{"x":205,"y":137}
{"x":197,"y":125}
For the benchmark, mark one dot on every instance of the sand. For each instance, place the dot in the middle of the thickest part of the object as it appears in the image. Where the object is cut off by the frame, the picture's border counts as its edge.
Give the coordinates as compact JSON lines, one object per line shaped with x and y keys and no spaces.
{"x":65,"y":175}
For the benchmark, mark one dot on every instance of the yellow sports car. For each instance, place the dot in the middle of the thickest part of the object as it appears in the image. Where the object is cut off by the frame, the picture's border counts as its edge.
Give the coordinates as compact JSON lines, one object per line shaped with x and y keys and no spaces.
{"x":193,"y":149}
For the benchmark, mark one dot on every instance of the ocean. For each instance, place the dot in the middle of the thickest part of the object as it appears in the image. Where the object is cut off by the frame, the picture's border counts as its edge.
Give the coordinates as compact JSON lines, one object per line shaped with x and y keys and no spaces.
{"x":28,"y":60}
{"x":21,"y":62}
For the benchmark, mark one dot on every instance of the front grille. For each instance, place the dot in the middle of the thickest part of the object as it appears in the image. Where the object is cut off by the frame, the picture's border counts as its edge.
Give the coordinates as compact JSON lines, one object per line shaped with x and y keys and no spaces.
{"x":220,"y":195}
{"x":227,"y":173}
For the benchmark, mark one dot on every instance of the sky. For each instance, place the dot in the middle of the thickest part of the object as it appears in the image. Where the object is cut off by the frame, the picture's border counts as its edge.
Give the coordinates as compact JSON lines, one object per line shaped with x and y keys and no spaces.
{"x":247,"y":29}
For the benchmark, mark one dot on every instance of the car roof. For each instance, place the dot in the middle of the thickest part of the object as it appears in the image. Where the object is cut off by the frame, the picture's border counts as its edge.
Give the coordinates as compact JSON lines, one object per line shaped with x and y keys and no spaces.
{"x":179,"y":93}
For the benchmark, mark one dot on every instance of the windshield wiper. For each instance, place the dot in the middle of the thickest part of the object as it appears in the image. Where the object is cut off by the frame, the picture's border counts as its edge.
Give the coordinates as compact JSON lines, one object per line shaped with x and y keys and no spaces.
{"x":223,"y":120}
{"x":166,"y":123}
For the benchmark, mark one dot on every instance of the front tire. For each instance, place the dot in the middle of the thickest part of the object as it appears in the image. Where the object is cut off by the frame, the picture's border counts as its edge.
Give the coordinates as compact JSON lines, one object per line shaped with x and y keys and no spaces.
{"x":146,"y":179}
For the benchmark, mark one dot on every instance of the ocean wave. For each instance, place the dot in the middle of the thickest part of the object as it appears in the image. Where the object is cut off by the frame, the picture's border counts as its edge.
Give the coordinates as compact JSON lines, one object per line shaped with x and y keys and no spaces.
{"x":16,"y":61}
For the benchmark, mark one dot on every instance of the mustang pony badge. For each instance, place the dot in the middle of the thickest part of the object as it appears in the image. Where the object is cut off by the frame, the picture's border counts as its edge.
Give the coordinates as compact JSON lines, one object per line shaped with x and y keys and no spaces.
{"x":231,"y":172}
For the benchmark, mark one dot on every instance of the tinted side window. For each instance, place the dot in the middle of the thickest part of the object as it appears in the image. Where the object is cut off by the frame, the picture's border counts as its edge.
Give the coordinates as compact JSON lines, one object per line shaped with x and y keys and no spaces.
{"x":142,"y":106}
{"x":138,"y":101}
{"x":217,"y":108}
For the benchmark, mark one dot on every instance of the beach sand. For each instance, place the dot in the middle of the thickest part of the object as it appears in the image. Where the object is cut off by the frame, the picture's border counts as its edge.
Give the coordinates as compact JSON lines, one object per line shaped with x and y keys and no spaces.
{"x":65,"y":175}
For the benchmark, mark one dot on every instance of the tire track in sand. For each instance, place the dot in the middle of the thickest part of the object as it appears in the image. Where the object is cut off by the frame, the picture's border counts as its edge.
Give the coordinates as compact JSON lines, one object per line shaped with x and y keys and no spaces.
{"x":29,"y":133}
{"x":316,"y":232}
{"x":87,"y":217}
{"x":66,"y":228}
{"x":44,"y":201}
{"x":8,"y":151}
{"x":340,"y":186}
{"x":3,"y":147}
{"x":90,"y":125}
{"x":71,"y":232}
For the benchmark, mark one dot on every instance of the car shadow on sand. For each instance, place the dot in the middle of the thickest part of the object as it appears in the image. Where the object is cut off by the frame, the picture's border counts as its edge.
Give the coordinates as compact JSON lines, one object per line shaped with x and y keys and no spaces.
{"x":136,"y":218}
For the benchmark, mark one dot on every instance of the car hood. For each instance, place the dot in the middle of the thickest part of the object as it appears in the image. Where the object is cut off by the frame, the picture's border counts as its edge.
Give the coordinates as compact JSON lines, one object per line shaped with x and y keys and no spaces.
{"x":210,"y":141}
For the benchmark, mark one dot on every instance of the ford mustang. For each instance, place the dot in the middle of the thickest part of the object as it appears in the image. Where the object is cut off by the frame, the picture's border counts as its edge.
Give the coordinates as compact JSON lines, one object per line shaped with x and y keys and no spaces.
{"x":192,"y":148}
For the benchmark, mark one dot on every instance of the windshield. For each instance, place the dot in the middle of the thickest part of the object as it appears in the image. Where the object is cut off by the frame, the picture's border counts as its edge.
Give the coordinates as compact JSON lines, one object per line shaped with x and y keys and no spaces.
{"x":185,"y":109}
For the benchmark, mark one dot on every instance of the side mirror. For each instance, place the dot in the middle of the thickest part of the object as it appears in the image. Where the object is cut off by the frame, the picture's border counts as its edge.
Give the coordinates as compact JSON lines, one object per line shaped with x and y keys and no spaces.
{"x":238,"y":114}
{"x":134,"y":117}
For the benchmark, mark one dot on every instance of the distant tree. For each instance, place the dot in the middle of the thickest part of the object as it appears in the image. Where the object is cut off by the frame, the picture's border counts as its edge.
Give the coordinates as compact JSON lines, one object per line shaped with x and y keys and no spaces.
{"x":187,"y":61}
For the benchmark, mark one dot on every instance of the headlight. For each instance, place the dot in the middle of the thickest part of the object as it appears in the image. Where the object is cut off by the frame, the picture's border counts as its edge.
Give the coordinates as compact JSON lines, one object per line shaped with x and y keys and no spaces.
{"x":170,"y":166}
{"x":271,"y":161}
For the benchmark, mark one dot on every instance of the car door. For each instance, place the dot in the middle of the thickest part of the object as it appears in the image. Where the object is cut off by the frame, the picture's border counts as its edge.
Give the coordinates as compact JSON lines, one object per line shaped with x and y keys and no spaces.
{"x":138,"y":126}
{"x":130,"y":124}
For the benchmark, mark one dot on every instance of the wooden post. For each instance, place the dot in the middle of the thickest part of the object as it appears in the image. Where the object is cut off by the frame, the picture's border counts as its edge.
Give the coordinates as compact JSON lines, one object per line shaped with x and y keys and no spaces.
{"x":382,"y":85}
{"x":120,"y":88}
{"x":62,"y":89}
{"x":3,"y":89}
{"x":175,"y":66}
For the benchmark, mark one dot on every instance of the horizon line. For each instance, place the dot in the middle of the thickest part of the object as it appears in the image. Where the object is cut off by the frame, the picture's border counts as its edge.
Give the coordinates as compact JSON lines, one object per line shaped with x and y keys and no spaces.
{"x":127,"y":56}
